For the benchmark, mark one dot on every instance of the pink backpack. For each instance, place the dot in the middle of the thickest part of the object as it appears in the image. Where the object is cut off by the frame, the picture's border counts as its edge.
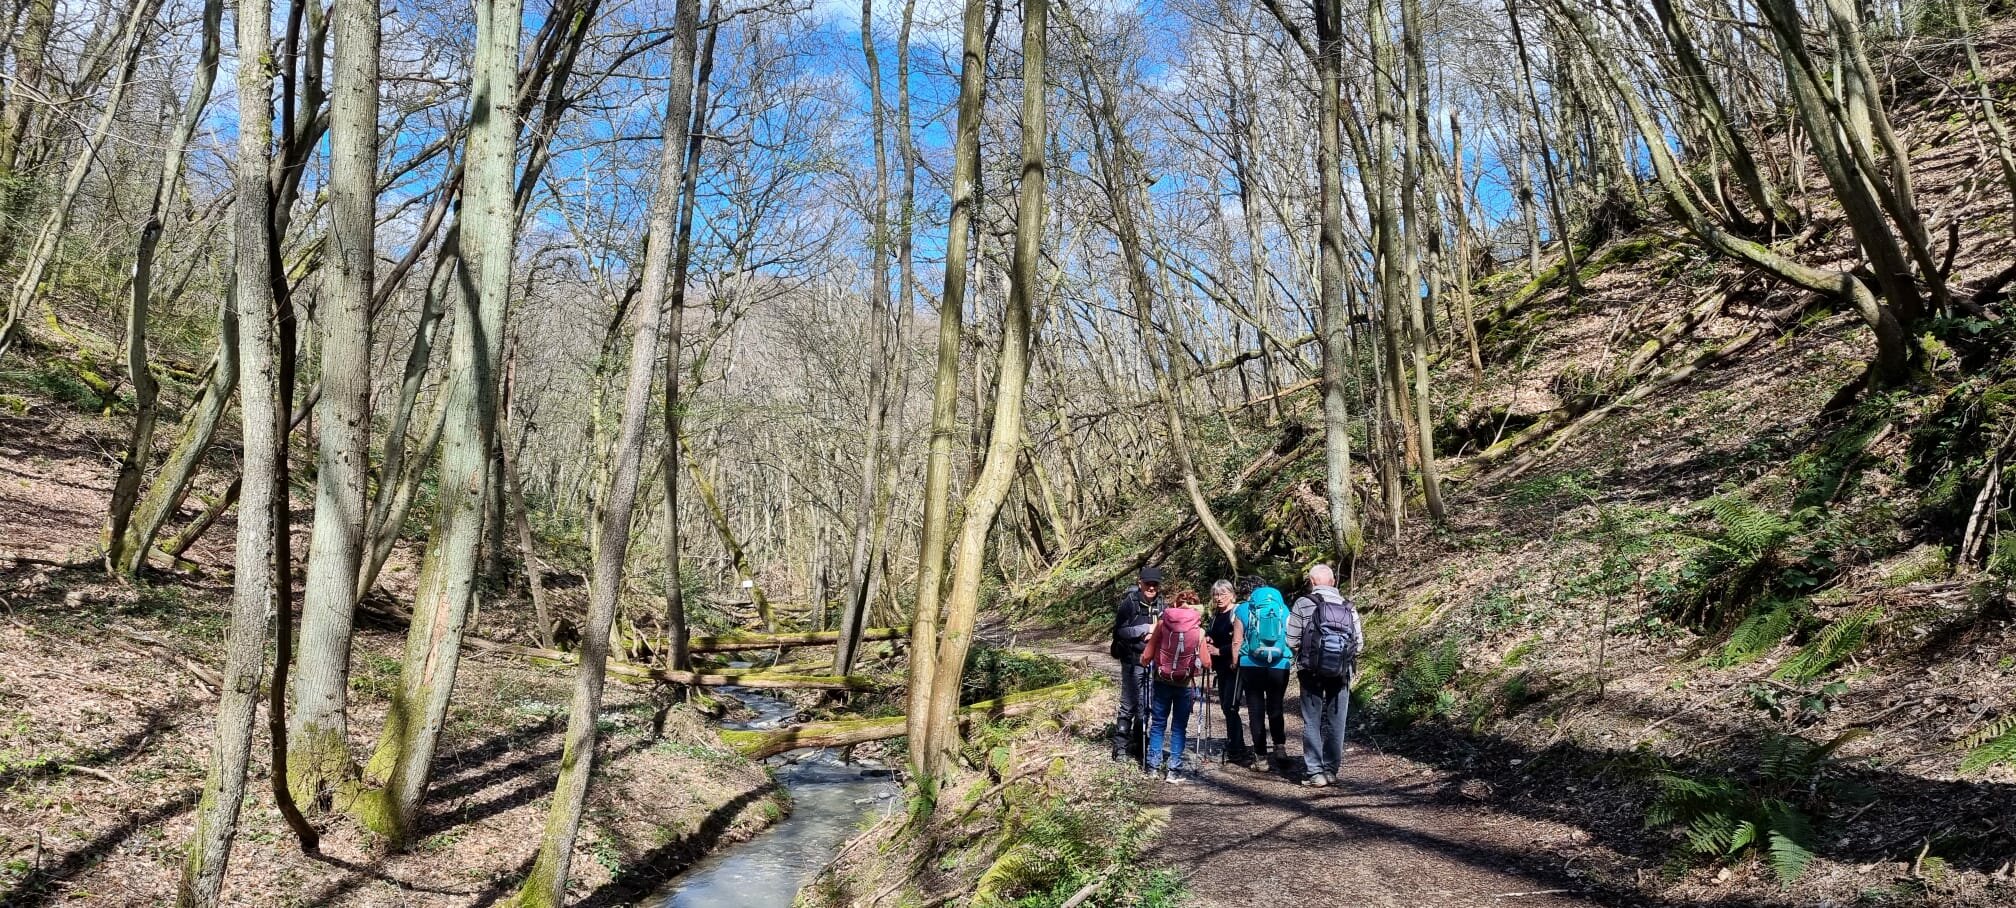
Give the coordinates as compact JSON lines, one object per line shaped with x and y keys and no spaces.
{"x":1179,"y":647}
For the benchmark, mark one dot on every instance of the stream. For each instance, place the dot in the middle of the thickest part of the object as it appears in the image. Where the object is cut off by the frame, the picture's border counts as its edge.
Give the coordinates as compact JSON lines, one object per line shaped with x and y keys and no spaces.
{"x":829,"y":800}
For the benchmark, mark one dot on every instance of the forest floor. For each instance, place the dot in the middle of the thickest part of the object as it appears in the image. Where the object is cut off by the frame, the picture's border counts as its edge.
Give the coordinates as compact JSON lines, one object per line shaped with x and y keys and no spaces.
{"x":106,"y":715}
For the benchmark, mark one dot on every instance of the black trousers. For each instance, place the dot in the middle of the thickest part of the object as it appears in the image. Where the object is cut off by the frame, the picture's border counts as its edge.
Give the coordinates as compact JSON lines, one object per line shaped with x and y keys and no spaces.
{"x":1229,"y":702}
{"x":1130,"y":721}
{"x":1265,"y":690}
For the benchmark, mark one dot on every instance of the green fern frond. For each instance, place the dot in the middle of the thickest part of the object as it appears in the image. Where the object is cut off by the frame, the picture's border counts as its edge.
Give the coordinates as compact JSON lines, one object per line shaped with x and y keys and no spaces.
{"x":1986,"y":750}
{"x":1744,"y":837}
{"x":1710,"y":834}
{"x":1831,"y":646}
{"x":1986,"y":733}
{"x":1756,"y":635}
{"x":1784,"y":758}
{"x":1009,"y":872}
{"x":1789,"y":858}
{"x":1749,"y":530}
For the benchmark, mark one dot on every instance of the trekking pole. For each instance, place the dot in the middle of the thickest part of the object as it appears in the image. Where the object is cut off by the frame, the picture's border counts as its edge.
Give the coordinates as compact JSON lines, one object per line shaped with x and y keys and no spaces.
{"x":1238,"y":679}
{"x":1204,"y":742}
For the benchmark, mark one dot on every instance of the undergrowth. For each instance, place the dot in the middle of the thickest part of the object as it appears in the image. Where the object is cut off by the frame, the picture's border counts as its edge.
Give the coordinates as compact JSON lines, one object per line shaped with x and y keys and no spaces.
{"x":1771,"y":816}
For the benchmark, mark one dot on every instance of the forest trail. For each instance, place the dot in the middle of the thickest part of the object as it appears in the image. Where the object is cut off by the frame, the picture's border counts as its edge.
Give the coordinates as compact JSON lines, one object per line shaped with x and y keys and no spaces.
{"x":1393,"y":832}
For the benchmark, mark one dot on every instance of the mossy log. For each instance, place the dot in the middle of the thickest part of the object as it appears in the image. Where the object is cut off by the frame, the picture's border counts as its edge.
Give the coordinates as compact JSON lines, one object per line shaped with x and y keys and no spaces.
{"x":723,"y":644}
{"x":758,"y":744}
{"x":631,"y":671}
{"x":754,"y":679}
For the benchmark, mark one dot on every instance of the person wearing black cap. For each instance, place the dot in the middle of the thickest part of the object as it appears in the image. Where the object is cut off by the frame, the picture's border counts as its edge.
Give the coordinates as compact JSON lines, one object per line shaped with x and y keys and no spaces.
{"x":1133,"y":618}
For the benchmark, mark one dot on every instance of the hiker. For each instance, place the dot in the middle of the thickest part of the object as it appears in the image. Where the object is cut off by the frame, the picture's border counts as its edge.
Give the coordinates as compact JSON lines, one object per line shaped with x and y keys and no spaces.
{"x":1265,"y":653}
{"x":1327,"y":638}
{"x":1175,"y":653}
{"x":1226,"y":637}
{"x":1133,"y":618}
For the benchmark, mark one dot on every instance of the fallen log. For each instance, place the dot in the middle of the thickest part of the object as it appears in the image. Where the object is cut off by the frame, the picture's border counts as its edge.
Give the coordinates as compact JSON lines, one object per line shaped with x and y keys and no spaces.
{"x":772,"y":680}
{"x":631,"y":671}
{"x":724,"y":644}
{"x":758,"y":744}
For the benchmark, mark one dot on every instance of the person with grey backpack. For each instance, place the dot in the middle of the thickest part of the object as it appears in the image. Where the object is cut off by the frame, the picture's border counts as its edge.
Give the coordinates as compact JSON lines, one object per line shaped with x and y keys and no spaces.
{"x":1326,"y":633}
{"x":1134,"y":616}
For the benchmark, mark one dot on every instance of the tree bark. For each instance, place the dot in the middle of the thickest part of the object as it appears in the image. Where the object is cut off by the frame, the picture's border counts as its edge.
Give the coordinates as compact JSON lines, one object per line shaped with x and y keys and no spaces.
{"x":696,"y":87}
{"x":1346,"y":537}
{"x":119,"y":554}
{"x":546,"y":885}
{"x":318,"y":756}
{"x":1425,"y":232}
{"x":997,"y":472}
{"x":937,"y":517}
{"x":405,"y":752}
{"x":217,"y":813}
{"x":860,"y":570}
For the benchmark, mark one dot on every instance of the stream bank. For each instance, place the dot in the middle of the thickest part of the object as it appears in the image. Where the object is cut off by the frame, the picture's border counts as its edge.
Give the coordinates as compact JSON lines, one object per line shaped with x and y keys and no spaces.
{"x":829,"y":800}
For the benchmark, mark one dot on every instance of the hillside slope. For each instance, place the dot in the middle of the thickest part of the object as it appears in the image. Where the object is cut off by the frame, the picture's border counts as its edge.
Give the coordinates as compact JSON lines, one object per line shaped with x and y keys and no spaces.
{"x":1703,"y":592}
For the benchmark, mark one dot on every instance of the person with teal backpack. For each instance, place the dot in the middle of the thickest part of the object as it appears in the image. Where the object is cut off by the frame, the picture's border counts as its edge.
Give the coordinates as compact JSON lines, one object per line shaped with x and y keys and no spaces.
{"x":1265,"y":654}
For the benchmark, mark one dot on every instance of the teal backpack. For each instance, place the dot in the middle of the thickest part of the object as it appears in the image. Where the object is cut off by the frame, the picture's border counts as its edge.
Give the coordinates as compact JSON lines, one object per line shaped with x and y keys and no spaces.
{"x":1267,"y":632}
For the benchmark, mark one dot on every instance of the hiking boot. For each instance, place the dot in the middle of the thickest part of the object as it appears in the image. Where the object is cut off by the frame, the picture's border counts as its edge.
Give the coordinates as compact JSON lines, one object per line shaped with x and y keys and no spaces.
{"x":1119,"y":754}
{"x":1176,"y":777}
{"x":1318,"y":780}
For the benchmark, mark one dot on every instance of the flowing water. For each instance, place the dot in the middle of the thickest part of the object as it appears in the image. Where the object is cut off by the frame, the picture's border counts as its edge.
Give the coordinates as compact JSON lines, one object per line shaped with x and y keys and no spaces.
{"x":829,"y":798}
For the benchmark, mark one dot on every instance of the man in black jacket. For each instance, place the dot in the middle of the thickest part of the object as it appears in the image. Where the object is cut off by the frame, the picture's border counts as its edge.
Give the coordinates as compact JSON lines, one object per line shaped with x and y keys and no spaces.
{"x":1133,"y":618}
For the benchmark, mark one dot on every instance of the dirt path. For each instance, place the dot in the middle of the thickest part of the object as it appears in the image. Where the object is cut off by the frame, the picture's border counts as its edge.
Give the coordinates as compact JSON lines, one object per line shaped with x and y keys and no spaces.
{"x":1395,"y":832}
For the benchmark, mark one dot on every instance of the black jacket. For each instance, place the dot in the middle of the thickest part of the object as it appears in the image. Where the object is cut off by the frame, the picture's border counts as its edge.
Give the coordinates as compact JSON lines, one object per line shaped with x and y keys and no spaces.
{"x":1133,"y":617}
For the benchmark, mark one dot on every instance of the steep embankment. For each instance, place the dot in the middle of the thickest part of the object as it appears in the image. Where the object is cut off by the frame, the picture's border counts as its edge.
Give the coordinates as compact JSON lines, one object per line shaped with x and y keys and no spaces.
{"x":106,"y":699}
{"x":1738,"y":620}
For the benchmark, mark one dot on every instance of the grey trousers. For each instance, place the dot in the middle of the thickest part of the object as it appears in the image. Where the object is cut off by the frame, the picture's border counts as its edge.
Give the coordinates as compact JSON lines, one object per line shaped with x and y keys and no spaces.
{"x":1130,"y":720}
{"x":1325,"y":708}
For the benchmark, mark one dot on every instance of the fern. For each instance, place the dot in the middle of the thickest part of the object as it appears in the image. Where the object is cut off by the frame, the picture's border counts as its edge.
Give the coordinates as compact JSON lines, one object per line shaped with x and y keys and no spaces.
{"x":1748,"y":531}
{"x":1756,"y":635}
{"x":1727,"y":567}
{"x":1419,"y":688}
{"x":1727,"y":819}
{"x":1789,"y":858}
{"x":1994,"y":743}
{"x":1837,"y":642}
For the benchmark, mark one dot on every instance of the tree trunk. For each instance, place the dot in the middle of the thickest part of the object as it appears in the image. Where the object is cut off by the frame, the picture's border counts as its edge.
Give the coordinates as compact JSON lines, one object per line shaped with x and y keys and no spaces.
{"x":164,"y":497}
{"x":1425,"y":231}
{"x":1985,"y":97}
{"x":319,"y":737}
{"x":405,"y":749}
{"x":738,"y":556}
{"x":1346,"y":538}
{"x":1569,"y":265}
{"x":1124,"y":184}
{"x":695,"y":86}
{"x":528,"y":544}
{"x":1892,"y":342}
{"x":1459,"y":205}
{"x":937,"y":517}
{"x":245,"y":649}
{"x":119,"y":555}
{"x":997,"y":472}
{"x":546,"y":885}
{"x":860,"y":570}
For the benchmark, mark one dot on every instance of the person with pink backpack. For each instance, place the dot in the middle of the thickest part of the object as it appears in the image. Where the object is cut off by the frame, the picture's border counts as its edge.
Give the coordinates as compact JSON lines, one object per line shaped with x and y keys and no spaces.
{"x":1175,"y":658}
